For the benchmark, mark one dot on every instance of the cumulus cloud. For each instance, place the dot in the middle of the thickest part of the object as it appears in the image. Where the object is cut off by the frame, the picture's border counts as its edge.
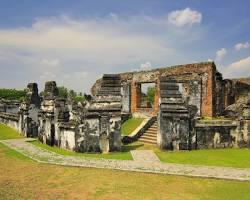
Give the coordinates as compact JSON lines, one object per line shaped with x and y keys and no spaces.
{"x":47,"y":76}
{"x":184,"y":17}
{"x":52,"y":62}
{"x":238,"y":68}
{"x":240,"y":46}
{"x":77,"y":52}
{"x":146,"y":66}
{"x":220,"y":54}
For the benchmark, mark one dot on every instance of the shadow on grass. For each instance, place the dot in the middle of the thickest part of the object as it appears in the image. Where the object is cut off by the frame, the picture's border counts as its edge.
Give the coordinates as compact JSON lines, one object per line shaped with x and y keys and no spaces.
{"x":128,"y":148}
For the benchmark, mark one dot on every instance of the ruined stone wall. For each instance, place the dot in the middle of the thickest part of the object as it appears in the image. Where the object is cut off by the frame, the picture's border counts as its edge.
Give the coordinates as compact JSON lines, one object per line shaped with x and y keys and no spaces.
{"x":235,"y":89}
{"x":126,"y":98}
{"x":93,"y":128}
{"x":198,"y":80}
{"x":241,"y":87}
{"x":10,"y":120}
{"x":9,"y":106}
{"x":173,"y":117}
{"x":105,"y":109}
{"x":215,"y":134}
{"x":28,"y":112}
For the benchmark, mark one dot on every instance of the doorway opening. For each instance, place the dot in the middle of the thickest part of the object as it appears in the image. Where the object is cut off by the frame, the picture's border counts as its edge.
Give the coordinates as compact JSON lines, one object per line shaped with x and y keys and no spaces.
{"x":146,"y":95}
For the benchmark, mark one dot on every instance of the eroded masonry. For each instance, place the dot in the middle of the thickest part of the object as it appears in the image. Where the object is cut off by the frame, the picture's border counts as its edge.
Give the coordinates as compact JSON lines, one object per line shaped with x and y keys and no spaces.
{"x":193,"y":107}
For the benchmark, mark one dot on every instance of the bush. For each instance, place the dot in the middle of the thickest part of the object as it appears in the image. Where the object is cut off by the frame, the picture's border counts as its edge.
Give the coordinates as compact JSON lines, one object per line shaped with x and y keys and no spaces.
{"x":151,"y":94}
{"x":12,"y":94}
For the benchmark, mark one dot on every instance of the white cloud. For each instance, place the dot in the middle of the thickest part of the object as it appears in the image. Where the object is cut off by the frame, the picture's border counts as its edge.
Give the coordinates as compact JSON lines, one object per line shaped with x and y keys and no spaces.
{"x":221,"y":54}
{"x":184,"y":17}
{"x":52,"y":62}
{"x":77,"y":52}
{"x":146,"y":66}
{"x":47,"y":76}
{"x":240,"y":46}
{"x":238,"y":68}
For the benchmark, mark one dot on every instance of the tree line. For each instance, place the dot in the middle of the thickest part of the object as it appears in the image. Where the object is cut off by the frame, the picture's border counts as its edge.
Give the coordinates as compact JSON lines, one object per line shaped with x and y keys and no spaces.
{"x":14,"y":94}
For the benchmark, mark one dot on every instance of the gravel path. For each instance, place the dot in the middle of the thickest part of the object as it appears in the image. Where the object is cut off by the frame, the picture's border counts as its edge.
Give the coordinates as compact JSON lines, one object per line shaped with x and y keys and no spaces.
{"x":144,"y":161}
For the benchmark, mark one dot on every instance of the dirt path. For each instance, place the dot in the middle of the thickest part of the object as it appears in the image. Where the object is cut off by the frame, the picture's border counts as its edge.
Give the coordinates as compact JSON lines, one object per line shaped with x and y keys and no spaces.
{"x":144,"y":161}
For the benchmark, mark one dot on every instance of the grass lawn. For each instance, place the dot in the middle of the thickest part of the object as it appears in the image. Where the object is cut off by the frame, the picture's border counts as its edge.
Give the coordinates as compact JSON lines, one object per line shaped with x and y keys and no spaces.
{"x":8,"y":133}
{"x":130,"y":125}
{"x":124,"y":155}
{"x":23,"y":179}
{"x":211,"y":157}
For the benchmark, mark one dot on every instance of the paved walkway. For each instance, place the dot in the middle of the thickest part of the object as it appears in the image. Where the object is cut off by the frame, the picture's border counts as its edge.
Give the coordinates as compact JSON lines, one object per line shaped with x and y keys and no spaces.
{"x":145,"y":161}
{"x":145,"y":156}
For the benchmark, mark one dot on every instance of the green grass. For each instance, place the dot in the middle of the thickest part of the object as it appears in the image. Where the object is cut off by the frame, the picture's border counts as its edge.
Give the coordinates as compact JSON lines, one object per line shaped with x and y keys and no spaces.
{"x":5,"y":151}
{"x":210,"y":157}
{"x":238,"y":158}
{"x":8,"y":133}
{"x":59,"y":182}
{"x":130,"y":125}
{"x":124,"y":155}
{"x":19,"y":177}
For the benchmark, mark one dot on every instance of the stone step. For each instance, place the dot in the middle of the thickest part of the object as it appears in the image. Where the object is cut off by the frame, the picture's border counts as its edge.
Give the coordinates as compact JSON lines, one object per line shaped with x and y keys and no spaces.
{"x":150,"y":131}
{"x":149,"y":137}
{"x":151,"y":134}
{"x":146,"y":141}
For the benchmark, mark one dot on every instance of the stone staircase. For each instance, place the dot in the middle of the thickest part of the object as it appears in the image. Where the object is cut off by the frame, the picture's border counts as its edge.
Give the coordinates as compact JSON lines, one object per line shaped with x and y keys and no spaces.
{"x":150,"y":135}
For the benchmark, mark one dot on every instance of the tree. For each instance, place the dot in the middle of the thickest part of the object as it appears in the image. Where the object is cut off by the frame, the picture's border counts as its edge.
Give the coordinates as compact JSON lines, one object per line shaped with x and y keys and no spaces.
{"x":12,"y":94}
{"x":63,"y":91}
{"x":151,"y":94}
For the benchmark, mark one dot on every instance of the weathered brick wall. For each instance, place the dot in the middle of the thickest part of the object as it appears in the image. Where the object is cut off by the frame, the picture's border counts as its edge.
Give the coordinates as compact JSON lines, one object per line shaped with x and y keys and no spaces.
{"x":204,"y":74}
{"x":200,"y":72}
{"x":235,"y":89}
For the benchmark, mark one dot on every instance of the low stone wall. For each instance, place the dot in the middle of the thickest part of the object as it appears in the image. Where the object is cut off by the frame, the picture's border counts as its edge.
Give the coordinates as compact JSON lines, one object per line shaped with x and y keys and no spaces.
{"x":10,"y":120}
{"x":67,"y":134}
{"x":125,"y":117}
{"x":215,"y":134}
{"x":9,"y":106}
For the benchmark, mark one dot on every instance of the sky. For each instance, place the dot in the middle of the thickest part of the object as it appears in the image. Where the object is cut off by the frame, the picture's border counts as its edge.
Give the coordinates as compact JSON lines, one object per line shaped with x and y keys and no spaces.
{"x":74,"y":42}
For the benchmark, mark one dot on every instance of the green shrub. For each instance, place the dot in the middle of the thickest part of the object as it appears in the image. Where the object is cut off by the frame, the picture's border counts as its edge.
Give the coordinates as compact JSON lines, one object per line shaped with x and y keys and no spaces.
{"x":12,"y":94}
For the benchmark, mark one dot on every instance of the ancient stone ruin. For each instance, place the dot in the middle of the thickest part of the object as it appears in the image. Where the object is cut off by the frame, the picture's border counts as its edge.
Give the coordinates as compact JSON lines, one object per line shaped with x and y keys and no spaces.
{"x":193,"y":108}
{"x":173,"y":117}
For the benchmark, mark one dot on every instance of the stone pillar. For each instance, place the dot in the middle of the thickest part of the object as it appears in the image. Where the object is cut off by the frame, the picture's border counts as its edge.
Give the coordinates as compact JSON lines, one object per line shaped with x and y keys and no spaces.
{"x":47,"y":127}
{"x":173,"y":117}
{"x":126,"y":98}
{"x":156,"y":98}
{"x":103,"y":117}
{"x":134,"y":97}
{"x":28,"y":114}
{"x":246,"y":124}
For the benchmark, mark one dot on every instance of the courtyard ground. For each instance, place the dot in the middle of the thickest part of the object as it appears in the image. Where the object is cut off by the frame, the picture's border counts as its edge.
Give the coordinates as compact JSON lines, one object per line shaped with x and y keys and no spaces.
{"x":22,"y":178}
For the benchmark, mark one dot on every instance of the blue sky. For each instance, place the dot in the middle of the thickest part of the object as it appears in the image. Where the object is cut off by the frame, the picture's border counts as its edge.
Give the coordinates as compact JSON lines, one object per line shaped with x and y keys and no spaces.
{"x":75,"y":41}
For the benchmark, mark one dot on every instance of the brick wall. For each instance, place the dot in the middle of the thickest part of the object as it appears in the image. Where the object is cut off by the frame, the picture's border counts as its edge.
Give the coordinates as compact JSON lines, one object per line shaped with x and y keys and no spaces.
{"x":203,"y":72}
